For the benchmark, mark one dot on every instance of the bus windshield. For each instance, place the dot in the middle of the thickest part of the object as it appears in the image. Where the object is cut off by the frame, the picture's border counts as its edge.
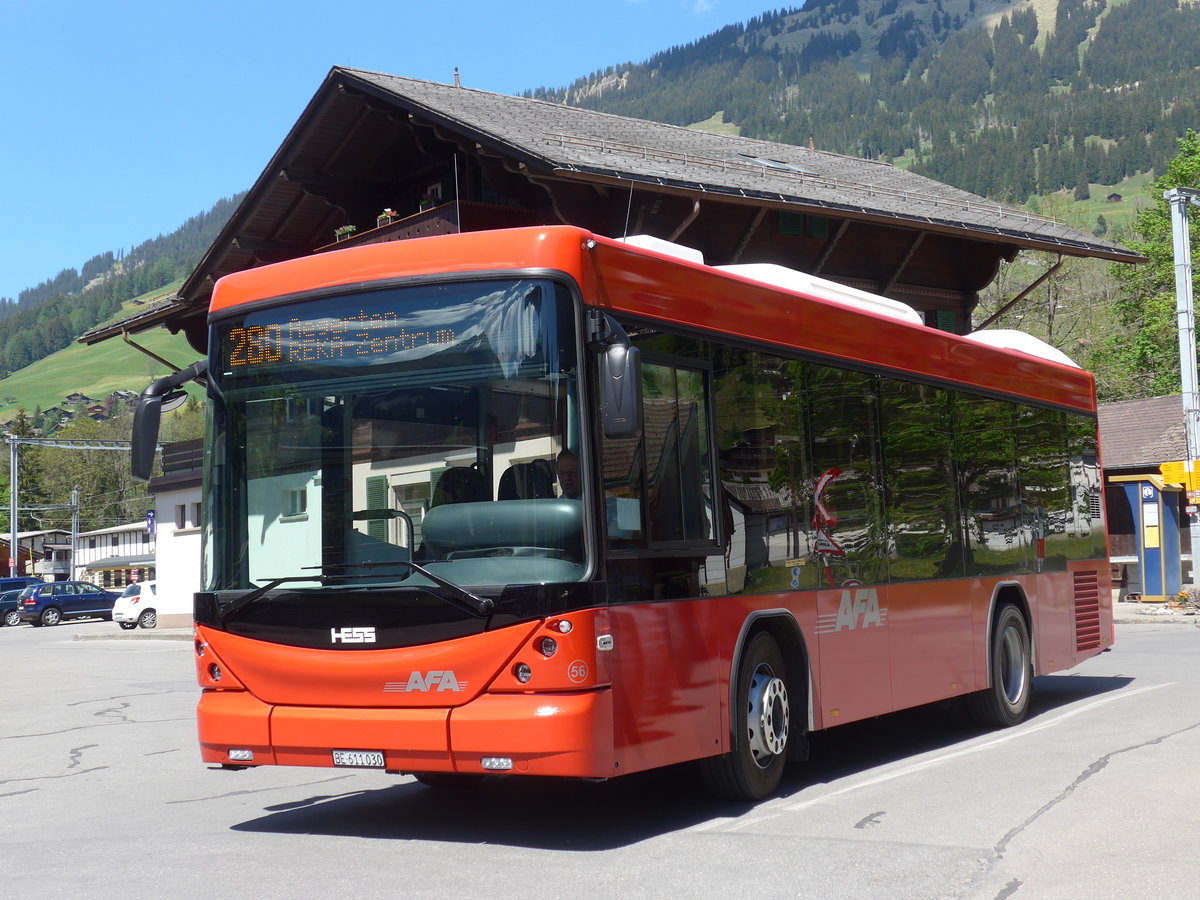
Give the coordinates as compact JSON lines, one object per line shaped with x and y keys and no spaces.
{"x":407,"y":436}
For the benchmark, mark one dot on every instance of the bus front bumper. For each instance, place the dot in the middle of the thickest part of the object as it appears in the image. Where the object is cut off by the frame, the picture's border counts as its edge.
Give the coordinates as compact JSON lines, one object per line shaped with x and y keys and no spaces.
{"x":567,"y":734}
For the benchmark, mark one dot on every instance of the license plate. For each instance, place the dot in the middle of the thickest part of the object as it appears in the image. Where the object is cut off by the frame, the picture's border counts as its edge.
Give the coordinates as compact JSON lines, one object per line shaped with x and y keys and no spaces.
{"x":371,"y":759}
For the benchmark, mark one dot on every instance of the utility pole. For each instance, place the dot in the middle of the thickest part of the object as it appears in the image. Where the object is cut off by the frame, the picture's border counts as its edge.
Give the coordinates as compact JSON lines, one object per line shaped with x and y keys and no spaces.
{"x":14,"y":552}
{"x":74,"y":530}
{"x":1185,"y":313}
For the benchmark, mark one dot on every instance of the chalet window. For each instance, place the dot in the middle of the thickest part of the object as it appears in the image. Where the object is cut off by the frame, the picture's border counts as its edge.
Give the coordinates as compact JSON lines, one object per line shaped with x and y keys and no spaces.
{"x":295,"y":502}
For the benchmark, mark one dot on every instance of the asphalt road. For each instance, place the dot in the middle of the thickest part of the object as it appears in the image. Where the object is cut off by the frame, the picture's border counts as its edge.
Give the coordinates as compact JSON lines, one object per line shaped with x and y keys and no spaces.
{"x":102,"y":794}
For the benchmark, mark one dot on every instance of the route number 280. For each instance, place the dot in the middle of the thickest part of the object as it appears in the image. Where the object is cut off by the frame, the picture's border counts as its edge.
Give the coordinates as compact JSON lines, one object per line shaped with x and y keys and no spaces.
{"x":255,"y":345}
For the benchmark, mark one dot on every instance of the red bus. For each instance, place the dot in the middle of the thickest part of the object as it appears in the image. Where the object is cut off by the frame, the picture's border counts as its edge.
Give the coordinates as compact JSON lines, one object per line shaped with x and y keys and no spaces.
{"x":541,"y":502}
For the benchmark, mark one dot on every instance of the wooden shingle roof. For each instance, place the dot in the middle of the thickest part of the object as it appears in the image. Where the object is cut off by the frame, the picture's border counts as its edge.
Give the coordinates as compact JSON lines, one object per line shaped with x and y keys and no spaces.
{"x":598,"y":146}
{"x":369,"y":141}
{"x":1142,"y":434}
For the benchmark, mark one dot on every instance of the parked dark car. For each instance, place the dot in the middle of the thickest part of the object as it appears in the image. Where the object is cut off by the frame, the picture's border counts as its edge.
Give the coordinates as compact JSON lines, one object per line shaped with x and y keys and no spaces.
{"x":52,"y":602}
{"x":8,"y":607}
{"x":10,"y":591}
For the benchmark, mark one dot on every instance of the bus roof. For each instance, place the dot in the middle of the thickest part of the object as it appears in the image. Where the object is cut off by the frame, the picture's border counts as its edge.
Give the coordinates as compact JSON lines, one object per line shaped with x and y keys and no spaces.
{"x":668,"y":287}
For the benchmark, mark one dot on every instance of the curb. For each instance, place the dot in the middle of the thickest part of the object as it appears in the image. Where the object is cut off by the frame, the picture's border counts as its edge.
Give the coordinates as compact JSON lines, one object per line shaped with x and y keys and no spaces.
{"x":1156,"y":620}
{"x":141,"y":634}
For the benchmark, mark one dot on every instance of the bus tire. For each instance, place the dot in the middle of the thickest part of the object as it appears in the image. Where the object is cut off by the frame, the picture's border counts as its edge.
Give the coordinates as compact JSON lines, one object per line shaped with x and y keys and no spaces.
{"x":1006,"y":700}
{"x":752,"y":770}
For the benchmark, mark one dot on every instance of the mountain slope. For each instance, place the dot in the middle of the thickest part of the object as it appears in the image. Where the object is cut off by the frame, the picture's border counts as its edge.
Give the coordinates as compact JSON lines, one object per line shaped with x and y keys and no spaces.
{"x":94,"y":371}
{"x":1005,"y":99}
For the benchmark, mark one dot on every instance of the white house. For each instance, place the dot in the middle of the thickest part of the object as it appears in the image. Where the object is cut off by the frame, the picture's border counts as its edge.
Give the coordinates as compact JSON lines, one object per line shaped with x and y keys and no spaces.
{"x":177,"y":526}
{"x":114,"y":557}
{"x":51,"y":553}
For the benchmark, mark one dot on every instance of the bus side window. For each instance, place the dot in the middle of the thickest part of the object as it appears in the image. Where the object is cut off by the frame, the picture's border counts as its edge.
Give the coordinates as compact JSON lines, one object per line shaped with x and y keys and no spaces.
{"x":659,"y":486}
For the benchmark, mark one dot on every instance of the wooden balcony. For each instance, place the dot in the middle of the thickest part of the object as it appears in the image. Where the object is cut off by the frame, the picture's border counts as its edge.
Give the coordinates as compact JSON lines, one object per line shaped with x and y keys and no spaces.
{"x":449,"y":218}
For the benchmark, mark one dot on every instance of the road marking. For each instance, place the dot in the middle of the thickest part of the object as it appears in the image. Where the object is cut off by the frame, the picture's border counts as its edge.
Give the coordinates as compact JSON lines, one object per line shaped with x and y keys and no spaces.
{"x":1008,"y":735}
{"x":775,"y":808}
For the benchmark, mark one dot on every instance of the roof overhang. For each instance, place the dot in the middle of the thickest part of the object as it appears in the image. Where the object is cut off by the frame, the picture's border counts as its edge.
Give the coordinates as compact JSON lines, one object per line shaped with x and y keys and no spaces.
{"x":339,"y":161}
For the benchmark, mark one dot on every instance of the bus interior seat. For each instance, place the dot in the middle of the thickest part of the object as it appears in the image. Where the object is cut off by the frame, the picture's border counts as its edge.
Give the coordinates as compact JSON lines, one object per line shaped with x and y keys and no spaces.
{"x":527,"y":481}
{"x":461,"y":484}
{"x":546,"y":523}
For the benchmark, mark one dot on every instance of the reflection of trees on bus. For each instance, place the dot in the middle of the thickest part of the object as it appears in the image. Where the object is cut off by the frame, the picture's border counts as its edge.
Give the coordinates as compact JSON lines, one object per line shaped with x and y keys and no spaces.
{"x":932,"y":482}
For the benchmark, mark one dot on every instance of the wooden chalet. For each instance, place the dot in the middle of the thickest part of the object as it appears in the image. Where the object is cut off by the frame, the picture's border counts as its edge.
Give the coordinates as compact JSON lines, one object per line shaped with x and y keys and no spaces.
{"x":399,"y":158}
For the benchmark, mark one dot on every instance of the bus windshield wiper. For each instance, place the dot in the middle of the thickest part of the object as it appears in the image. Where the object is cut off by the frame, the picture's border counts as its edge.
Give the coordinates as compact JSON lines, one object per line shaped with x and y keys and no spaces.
{"x":464,"y":599}
{"x":473,"y":604}
{"x":246,"y":599}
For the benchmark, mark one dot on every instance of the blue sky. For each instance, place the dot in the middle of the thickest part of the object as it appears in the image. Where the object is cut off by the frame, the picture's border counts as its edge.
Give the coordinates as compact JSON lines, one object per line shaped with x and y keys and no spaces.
{"x":119,"y":121}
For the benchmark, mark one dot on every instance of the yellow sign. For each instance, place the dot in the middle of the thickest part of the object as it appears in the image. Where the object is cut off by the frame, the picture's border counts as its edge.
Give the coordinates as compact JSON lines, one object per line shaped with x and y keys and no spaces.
{"x":1177,"y":473}
{"x":1150,"y":537}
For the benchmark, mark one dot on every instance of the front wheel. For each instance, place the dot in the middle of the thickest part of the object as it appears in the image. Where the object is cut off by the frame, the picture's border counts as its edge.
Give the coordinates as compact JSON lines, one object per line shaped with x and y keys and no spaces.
{"x":1006,"y":701}
{"x":754,"y":767}
{"x":12,"y":617}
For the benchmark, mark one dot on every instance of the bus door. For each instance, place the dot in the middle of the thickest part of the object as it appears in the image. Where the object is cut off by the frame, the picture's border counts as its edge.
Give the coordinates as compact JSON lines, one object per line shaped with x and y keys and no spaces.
{"x":658,"y":497}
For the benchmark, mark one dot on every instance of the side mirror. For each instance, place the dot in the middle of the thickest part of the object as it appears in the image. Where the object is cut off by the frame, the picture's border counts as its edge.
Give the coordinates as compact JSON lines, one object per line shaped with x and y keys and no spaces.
{"x":621,"y":368}
{"x":162,"y":395}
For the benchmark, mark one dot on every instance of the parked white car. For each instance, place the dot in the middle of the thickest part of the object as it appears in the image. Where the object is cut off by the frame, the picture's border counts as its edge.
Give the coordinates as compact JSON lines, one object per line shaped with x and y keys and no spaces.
{"x":135,"y":606}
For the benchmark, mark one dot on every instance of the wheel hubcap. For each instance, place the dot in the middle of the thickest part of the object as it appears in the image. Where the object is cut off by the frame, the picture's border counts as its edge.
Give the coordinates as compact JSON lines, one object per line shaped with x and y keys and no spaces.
{"x":767,"y":722}
{"x":1012,"y":665}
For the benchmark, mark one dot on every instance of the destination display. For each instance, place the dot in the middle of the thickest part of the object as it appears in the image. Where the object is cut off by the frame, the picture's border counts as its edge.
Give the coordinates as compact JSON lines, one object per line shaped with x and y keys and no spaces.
{"x":327,"y":338}
{"x":391,"y":326}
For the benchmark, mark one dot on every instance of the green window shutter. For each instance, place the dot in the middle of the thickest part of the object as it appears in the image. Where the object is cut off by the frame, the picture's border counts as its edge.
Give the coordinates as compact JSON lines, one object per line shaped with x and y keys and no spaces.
{"x":791,"y":223}
{"x":945,"y":320}
{"x":802,"y":225}
{"x":818,"y":227}
{"x":377,"y":498}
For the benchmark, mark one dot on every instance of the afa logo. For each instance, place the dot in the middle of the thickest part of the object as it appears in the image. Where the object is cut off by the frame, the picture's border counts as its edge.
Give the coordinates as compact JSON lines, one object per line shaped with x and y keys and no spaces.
{"x":859,"y":609}
{"x":435,"y":681}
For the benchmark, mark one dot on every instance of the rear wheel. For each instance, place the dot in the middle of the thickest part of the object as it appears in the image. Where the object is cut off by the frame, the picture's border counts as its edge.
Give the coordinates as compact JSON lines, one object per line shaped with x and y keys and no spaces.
{"x":762,"y":718}
{"x":12,"y":617}
{"x":1006,"y":700}
{"x":148,"y":619}
{"x":50,"y":616}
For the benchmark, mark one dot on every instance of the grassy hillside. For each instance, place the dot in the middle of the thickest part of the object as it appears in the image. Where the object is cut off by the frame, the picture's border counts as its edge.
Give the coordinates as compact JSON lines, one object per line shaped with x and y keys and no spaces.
{"x":95,"y":371}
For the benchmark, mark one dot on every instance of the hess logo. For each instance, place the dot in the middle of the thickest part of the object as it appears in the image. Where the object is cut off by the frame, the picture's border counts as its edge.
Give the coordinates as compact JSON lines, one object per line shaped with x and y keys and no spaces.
{"x":352,"y":635}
